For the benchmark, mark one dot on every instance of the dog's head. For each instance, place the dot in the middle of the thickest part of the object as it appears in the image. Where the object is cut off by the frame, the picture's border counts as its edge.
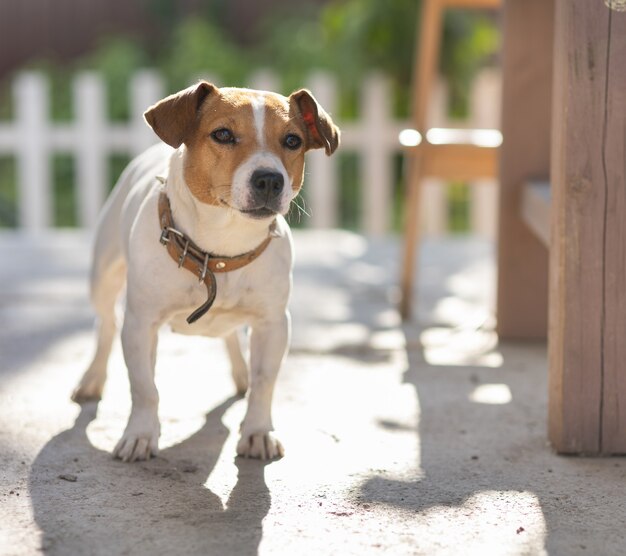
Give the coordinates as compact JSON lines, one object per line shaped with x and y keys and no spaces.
{"x":244,"y":148}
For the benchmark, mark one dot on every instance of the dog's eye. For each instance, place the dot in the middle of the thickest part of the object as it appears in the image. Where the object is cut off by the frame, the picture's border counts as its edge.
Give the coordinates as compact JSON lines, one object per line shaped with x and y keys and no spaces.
{"x":292,"y":142}
{"x":223,"y":136}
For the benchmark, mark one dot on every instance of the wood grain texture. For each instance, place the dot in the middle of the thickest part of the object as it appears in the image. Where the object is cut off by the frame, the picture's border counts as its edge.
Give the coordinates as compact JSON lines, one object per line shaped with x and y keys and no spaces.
{"x":522,"y":298}
{"x":587,"y":260}
{"x":613,"y":439}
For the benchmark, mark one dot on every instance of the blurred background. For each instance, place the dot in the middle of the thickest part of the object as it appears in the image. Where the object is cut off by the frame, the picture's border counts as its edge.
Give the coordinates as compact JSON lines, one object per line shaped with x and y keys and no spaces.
{"x":75,"y":76}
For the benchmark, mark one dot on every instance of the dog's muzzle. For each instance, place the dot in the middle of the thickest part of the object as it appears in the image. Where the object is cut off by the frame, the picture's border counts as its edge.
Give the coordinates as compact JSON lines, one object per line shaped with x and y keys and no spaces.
{"x":266,"y":189}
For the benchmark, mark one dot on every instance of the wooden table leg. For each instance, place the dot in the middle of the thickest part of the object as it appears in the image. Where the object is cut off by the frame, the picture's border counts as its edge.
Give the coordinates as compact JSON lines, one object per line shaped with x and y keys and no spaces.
{"x":587,"y":343}
{"x":424,"y":73}
{"x":522,"y":302}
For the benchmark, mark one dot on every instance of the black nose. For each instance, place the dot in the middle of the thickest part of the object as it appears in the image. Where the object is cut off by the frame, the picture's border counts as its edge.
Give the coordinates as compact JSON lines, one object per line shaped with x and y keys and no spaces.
{"x":266,"y":183}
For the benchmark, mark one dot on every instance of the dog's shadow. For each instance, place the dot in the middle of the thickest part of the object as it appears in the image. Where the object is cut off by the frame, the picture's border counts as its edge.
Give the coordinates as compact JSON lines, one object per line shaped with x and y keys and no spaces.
{"x":87,"y":503}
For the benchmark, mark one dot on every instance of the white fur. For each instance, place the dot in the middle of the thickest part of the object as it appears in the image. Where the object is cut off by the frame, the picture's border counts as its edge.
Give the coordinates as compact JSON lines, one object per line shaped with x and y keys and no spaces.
{"x":241,"y":194}
{"x":127,"y":250}
{"x":258,"y":111}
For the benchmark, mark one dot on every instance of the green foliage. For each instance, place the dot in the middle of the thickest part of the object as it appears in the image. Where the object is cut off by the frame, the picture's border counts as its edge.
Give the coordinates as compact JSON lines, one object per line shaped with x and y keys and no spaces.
{"x":354,"y":37}
{"x":470,"y":41}
{"x":64,"y":194}
{"x":117,"y":59}
{"x":369,"y":34}
{"x":197,"y":47}
{"x":8,"y":192}
{"x":116,"y":164}
{"x":458,"y":207}
{"x":6,"y":101}
{"x":350,"y":194}
{"x":294,"y":46}
{"x":350,"y":39}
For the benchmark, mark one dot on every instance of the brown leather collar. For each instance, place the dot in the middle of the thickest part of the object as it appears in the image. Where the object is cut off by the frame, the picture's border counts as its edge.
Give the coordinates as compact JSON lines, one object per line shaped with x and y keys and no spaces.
{"x":188,"y":255}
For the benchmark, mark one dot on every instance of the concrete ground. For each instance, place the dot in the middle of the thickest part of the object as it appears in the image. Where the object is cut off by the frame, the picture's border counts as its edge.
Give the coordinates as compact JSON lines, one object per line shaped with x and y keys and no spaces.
{"x":428,"y":439}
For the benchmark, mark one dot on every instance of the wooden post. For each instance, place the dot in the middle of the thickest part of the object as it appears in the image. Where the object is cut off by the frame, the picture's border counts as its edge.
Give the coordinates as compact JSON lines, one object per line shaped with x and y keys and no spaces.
{"x":587,"y":345}
{"x":525,"y":153}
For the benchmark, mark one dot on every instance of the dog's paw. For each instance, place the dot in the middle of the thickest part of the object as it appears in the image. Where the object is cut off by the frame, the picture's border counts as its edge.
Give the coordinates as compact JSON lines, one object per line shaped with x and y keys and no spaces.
{"x":262,"y":445}
{"x":89,"y":389}
{"x":140,"y":440}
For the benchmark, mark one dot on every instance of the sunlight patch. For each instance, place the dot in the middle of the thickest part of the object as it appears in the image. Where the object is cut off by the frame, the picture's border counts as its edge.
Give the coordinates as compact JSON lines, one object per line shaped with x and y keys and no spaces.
{"x":490,"y":522}
{"x":494,"y":394}
{"x":460,"y":347}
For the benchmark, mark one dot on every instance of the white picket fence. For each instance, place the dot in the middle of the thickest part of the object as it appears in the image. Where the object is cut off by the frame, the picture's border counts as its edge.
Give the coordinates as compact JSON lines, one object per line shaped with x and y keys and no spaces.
{"x":32,"y":138}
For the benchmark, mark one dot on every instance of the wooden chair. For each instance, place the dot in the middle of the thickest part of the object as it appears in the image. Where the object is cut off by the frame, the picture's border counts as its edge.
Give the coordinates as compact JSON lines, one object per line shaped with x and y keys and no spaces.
{"x":448,"y":161}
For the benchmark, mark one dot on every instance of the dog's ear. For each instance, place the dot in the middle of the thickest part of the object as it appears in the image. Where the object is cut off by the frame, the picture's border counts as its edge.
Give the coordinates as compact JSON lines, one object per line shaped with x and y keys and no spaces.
{"x":320,"y":129}
{"x":173,"y":118}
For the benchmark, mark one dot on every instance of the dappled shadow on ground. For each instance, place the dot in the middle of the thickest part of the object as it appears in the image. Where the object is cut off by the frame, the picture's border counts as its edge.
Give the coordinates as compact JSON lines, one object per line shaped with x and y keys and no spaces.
{"x":154,"y":507}
{"x":19,"y":347}
{"x":43,"y":294}
{"x":346,"y":293}
{"x":486,"y":474}
{"x":341,"y":300}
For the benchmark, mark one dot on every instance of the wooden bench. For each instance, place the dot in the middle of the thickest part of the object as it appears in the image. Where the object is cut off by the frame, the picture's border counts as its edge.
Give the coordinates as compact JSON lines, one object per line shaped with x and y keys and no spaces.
{"x":567,"y":124}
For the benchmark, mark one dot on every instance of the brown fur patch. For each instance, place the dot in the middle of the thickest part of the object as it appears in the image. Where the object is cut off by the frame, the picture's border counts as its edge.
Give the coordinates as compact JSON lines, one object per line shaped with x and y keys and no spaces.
{"x":173,"y":117}
{"x":210,"y":166}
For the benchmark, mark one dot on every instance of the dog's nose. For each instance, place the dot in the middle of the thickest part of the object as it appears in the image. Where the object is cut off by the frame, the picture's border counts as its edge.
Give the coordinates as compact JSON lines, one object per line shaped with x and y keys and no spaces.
{"x":267,"y":183}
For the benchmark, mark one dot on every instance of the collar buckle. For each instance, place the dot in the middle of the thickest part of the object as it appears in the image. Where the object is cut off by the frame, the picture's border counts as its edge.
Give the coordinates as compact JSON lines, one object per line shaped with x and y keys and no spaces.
{"x":165,"y":236}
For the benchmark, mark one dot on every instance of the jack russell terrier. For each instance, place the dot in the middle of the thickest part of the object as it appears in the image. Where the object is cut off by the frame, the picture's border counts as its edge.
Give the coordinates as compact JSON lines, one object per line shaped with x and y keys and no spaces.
{"x":205,"y":248}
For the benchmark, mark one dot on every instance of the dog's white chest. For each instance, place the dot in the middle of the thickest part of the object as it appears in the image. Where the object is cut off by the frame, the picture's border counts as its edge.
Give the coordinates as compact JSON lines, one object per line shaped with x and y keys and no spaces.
{"x":216,"y":323}
{"x":243,"y":297}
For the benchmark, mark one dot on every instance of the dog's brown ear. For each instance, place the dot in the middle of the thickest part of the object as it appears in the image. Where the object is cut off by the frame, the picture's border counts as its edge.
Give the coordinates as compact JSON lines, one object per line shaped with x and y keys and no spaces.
{"x":321,"y":131}
{"x":173,"y":117}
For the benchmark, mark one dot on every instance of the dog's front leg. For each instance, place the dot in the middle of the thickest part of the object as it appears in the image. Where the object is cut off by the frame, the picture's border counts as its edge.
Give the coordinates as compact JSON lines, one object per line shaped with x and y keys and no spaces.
{"x":268,"y":345}
{"x":139,"y":343}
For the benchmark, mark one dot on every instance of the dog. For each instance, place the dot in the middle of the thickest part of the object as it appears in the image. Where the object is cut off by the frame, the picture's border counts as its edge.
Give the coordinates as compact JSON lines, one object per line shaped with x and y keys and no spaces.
{"x":196,"y":225}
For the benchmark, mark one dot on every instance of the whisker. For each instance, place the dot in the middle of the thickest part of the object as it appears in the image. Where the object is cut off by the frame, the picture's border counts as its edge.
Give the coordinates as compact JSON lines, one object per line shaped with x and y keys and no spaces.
{"x":304,"y":207}
{"x":301,"y":209}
